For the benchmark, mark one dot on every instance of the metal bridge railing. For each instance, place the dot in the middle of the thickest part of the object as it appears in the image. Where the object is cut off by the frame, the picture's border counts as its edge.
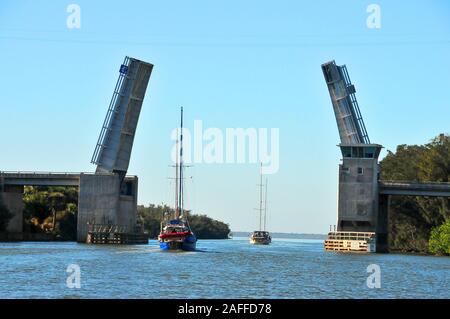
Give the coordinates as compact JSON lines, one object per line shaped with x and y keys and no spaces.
{"x":400,"y":182}
{"x":347,"y":235}
{"x":359,"y":118}
{"x":101,"y":228}
{"x":39,"y":173}
{"x":109,"y":114}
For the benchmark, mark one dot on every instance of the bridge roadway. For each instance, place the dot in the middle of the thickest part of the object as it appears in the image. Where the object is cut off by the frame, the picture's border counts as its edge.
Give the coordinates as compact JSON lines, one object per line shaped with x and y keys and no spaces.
{"x":401,"y":188}
{"x":39,"y":179}
{"x":404,"y":188}
{"x":44,"y":178}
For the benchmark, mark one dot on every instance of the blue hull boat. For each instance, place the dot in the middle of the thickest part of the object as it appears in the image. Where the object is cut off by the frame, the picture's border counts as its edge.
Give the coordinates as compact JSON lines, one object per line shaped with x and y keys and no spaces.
{"x":177,"y":234}
{"x":188,"y":244}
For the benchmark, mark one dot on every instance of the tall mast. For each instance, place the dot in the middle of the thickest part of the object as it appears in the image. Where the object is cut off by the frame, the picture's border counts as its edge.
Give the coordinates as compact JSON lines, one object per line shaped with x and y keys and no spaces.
{"x":181,"y":169}
{"x":260,"y":200}
{"x":177,"y":213}
{"x":265,"y":206}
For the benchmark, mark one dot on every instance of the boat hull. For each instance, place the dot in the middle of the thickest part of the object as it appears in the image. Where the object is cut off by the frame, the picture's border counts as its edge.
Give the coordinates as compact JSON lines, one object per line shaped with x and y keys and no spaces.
{"x":258,"y":241}
{"x":188,"y":244}
{"x":260,"y":238}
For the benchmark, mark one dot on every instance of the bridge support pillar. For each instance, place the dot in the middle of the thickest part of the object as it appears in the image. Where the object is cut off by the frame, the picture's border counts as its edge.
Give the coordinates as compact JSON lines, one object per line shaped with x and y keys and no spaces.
{"x":105,"y":200}
{"x":97,"y":202}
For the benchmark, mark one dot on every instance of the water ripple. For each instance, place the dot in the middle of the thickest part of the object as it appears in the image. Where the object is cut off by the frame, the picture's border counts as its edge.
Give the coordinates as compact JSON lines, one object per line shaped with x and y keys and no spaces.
{"x":220,"y":269}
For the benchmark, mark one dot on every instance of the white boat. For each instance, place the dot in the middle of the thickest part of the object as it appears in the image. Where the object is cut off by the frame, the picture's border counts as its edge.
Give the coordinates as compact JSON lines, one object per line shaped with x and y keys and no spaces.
{"x":261,"y":236}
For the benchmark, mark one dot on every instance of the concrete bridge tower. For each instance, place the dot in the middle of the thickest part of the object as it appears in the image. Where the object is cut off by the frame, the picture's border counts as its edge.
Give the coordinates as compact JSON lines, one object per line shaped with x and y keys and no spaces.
{"x":359,"y":172}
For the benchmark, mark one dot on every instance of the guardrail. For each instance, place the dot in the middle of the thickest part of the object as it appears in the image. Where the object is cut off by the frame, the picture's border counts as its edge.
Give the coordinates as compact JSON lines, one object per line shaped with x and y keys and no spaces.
{"x":101,"y":228}
{"x":347,"y":235}
{"x":400,"y":182}
{"x":54,"y":173}
{"x":39,"y":173}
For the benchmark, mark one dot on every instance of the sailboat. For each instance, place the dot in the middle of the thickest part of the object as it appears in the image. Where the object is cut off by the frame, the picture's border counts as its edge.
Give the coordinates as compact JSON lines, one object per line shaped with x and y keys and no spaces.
{"x":261,"y":236}
{"x":176,"y":234}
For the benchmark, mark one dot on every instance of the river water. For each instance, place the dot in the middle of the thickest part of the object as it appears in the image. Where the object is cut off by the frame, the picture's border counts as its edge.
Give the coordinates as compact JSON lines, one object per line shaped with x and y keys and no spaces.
{"x":220,"y":269}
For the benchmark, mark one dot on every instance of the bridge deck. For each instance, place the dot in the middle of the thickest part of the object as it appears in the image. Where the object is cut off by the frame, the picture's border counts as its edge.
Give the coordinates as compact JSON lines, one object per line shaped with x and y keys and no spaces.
{"x":45,"y":178}
{"x":40,"y":178}
{"x":414,"y":189}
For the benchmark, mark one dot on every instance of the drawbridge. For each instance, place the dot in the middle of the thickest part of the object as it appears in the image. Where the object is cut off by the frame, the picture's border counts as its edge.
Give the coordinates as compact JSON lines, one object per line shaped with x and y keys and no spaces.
{"x":363,"y":199}
{"x":107,"y":199}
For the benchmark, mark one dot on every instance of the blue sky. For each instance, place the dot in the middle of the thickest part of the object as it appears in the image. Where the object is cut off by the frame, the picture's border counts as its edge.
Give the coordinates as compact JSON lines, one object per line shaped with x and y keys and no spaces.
{"x":230,"y":64}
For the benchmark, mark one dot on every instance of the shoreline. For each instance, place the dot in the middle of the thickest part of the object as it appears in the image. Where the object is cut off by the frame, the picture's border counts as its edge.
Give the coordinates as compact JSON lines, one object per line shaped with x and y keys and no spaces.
{"x":46,"y":237}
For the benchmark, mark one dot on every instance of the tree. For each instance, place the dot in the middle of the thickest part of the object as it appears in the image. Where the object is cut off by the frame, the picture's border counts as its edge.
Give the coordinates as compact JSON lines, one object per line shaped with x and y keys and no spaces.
{"x":152,"y":216}
{"x":411,"y":218}
{"x":67,"y":224}
{"x":203,"y":226}
{"x":51,"y":209}
{"x":5,"y":215}
{"x":440,"y":239}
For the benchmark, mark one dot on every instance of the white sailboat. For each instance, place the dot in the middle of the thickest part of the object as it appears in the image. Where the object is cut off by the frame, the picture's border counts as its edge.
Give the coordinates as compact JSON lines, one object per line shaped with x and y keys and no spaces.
{"x":261,"y":236}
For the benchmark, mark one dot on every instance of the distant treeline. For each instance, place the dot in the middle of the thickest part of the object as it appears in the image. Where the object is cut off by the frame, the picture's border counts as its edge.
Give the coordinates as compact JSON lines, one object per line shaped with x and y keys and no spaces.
{"x":419,"y":224}
{"x":203,"y":226}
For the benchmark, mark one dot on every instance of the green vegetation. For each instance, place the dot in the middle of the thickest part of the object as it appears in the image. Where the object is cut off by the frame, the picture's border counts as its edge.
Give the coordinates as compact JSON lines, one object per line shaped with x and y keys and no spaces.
{"x":151,"y":217}
{"x":54,"y":210}
{"x":51,"y":210}
{"x":203,"y":226}
{"x":439,"y":243}
{"x":5,"y":215}
{"x":412,"y":219}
